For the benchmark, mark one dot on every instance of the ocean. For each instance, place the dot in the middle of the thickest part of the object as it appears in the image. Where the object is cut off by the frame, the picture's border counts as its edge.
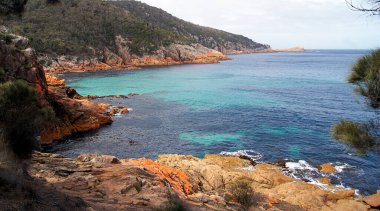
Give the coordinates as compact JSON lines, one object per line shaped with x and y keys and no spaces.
{"x":275,"y":106}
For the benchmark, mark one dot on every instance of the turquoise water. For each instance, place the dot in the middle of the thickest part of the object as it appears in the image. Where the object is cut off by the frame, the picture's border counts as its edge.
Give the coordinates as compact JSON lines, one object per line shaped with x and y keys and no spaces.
{"x":280,"y":105}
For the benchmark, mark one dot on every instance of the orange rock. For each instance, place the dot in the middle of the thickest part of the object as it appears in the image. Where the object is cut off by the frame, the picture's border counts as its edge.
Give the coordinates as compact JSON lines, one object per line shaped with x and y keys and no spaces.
{"x":266,"y":166}
{"x":325,"y":180}
{"x":327,"y":168}
{"x":54,"y":81}
{"x":373,"y":200}
{"x":103,"y":106}
{"x":178,"y":179}
{"x":76,"y":116}
{"x":124,"y":110}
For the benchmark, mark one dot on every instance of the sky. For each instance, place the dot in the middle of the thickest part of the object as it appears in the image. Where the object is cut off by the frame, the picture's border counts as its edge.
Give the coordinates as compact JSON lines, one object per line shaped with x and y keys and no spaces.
{"x":313,"y":24}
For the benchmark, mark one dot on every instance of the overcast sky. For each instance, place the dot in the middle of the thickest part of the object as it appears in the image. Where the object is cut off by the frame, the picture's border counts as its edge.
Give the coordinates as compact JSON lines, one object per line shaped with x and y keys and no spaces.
{"x":314,"y":24}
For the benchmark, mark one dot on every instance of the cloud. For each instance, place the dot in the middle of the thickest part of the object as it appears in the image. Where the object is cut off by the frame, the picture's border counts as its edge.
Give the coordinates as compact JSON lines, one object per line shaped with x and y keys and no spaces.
{"x":283,"y":23}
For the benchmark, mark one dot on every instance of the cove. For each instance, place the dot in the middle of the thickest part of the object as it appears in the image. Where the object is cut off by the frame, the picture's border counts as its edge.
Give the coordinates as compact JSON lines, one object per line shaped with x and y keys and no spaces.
{"x":280,"y":105}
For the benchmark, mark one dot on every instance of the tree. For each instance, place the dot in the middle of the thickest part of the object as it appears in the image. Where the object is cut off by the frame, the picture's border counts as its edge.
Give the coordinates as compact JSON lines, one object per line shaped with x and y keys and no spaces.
{"x":365,"y":74}
{"x":21,"y":116}
{"x":373,"y":6}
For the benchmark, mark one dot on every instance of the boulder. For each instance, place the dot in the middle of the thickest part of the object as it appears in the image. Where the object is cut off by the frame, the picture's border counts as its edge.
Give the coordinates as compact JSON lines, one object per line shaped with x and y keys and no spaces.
{"x":325,"y":180}
{"x":373,"y":200}
{"x":327,"y":168}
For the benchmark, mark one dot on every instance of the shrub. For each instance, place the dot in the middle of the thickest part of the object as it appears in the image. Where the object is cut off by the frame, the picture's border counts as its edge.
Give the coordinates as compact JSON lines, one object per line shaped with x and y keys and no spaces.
{"x":21,"y":116}
{"x":11,"y":6}
{"x":365,"y":74}
{"x":174,"y":203}
{"x":354,"y":134}
{"x":244,"y":194}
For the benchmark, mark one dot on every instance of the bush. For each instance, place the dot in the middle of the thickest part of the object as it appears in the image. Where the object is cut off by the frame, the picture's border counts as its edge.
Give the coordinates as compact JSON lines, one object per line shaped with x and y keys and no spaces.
{"x":11,"y":6}
{"x":174,"y":203}
{"x":244,"y":194}
{"x":365,"y":75}
{"x":21,"y":116}
{"x":353,"y":134}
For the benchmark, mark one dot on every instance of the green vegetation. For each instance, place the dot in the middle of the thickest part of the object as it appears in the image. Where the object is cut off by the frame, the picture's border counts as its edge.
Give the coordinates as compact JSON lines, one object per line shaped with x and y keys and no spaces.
{"x":174,"y":204}
{"x":77,"y":27}
{"x":21,"y":116}
{"x":365,"y":74}
{"x":74,"y":27}
{"x":354,"y":134}
{"x":208,"y":37}
{"x":244,"y":194}
{"x":11,"y":6}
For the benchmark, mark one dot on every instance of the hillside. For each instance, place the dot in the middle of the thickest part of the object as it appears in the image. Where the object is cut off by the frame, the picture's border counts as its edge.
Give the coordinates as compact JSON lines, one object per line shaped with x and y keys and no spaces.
{"x":103,"y":34}
{"x":209,"y":37}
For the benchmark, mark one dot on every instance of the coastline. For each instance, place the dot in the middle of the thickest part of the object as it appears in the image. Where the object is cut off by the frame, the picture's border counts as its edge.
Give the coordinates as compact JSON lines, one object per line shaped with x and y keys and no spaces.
{"x":136,"y":63}
{"x":107,"y":182}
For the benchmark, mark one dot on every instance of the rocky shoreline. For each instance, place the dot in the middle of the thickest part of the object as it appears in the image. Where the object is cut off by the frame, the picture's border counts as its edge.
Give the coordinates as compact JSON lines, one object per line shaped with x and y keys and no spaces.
{"x":174,"y":54}
{"x":108,"y":183}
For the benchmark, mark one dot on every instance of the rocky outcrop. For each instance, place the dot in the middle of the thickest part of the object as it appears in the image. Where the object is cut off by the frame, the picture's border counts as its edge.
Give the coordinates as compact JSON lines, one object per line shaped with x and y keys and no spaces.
{"x":216,"y":174}
{"x":373,"y":200}
{"x":19,"y":61}
{"x":109,"y":183}
{"x":104,"y":60}
{"x":327,"y":168}
{"x":73,"y":114}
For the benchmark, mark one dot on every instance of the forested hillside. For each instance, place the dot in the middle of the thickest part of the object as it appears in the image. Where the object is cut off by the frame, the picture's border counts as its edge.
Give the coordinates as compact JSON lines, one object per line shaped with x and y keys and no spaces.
{"x":209,"y":37}
{"x":75,"y":27}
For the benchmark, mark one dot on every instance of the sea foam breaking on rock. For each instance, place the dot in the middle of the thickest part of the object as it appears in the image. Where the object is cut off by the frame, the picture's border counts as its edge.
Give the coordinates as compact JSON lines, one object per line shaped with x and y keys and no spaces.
{"x":251,"y":154}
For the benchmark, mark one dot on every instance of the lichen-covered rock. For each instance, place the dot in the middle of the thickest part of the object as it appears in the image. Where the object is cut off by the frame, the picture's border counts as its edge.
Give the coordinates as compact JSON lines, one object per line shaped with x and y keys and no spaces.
{"x":216,"y":173}
{"x":327,"y":168}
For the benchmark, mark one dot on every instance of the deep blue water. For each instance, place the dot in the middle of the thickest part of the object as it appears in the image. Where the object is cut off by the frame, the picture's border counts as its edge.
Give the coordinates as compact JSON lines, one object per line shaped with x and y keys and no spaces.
{"x":280,"y":105}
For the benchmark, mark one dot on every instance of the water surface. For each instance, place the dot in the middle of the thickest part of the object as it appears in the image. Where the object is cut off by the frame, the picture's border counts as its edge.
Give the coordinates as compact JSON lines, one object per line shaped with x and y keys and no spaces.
{"x":280,"y":105}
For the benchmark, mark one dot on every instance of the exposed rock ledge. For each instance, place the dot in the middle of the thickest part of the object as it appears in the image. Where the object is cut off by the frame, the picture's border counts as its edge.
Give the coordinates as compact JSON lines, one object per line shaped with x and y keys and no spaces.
{"x":107,"y":183}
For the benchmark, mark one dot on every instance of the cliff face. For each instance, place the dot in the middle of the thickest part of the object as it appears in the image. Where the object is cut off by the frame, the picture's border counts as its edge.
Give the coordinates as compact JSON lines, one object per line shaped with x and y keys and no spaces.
{"x":19,"y":61}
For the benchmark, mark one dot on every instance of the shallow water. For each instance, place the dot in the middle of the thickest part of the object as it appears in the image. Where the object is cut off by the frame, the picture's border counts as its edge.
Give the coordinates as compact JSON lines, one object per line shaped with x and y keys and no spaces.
{"x":280,"y":105}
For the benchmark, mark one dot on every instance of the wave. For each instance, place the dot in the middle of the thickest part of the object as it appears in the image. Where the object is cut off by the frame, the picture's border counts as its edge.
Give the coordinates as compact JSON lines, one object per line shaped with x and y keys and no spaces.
{"x":251,"y":154}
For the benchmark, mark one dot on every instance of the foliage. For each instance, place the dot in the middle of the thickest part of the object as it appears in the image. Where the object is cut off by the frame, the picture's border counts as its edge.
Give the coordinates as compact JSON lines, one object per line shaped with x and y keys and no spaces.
{"x":244,"y":194}
{"x":174,"y":203}
{"x":6,"y":37}
{"x":354,"y":134}
{"x":21,"y":116}
{"x":366,"y":76}
{"x":208,"y":37}
{"x":11,"y":6}
{"x":71,"y":27}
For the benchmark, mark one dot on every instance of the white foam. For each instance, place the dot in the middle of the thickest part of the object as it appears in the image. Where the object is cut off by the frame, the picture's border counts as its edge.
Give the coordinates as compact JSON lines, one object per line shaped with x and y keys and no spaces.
{"x":300,"y":165}
{"x":253,"y":155}
{"x":340,"y":167}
